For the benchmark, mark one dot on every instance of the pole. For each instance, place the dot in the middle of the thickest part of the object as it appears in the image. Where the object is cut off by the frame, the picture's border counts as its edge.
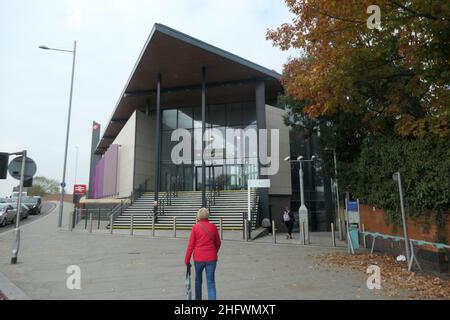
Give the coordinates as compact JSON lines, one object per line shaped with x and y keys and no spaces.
{"x":174,"y":227}
{"x":203,"y":134}
{"x":221,"y":228}
{"x":303,"y":210}
{"x":337,"y":195}
{"x":76,"y":164}
{"x":111,"y":224}
{"x":274,"y":236}
{"x":132,"y":225}
{"x":90,"y":222}
{"x":302,"y":195}
{"x":16,"y":246}
{"x":63,"y":182}
{"x":153,"y":224}
{"x":405,"y":227}
{"x":332,"y":235}
{"x":245,"y":230}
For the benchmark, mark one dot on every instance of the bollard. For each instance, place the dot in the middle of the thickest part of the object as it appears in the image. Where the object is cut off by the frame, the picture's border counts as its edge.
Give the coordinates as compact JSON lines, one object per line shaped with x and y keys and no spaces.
{"x":245,"y":230}
{"x":90,"y":222}
{"x":333,"y":235}
{"x":274,"y":236}
{"x":174,"y":227}
{"x":364,"y":236}
{"x":132,"y":225}
{"x":111,"y":224}
{"x":221,"y":228}
{"x":153,"y":225}
{"x":303,"y":233}
{"x":99,"y":214}
{"x":243,"y":227}
{"x":71,"y":220}
{"x":85,"y":218}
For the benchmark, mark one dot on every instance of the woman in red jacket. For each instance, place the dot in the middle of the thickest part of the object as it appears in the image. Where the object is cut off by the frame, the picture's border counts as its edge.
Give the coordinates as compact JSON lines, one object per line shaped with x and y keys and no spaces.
{"x":205,"y":243}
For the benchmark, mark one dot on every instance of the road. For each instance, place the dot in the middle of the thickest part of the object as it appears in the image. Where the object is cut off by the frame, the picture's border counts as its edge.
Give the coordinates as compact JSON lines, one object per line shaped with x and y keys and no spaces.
{"x":47,"y":207}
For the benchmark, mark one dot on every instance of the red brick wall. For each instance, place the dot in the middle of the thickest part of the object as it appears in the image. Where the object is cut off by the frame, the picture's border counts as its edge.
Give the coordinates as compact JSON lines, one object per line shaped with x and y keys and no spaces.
{"x":374,"y":221}
{"x":57,"y":197}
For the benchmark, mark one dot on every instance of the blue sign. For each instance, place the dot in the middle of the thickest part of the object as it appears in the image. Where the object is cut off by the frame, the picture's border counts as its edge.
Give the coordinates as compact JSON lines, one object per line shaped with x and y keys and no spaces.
{"x":63,"y":184}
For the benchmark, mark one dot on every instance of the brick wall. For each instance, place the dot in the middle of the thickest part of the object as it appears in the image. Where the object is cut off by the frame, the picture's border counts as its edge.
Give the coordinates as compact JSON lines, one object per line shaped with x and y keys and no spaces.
{"x":57,"y":197}
{"x":430,"y":258}
{"x":374,"y":221}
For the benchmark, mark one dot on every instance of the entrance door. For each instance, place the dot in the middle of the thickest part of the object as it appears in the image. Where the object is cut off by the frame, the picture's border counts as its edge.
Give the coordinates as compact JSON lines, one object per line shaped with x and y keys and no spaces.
{"x":214,"y":176}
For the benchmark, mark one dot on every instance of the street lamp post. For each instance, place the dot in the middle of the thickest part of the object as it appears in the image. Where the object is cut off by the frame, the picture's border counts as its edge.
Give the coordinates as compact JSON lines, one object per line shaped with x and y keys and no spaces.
{"x":63,"y":182}
{"x":397,"y":178}
{"x":337,"y":191}
{"x":303,"y":210}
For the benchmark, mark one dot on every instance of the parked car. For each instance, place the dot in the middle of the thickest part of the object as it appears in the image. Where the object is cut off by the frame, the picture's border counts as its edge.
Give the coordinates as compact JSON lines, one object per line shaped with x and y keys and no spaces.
{"x":7,"y":214}
{"x":23,"y":213}
{"x":34,"y":204}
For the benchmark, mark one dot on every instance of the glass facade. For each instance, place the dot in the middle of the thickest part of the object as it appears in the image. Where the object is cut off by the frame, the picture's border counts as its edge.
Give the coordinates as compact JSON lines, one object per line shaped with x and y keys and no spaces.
{"x":229,"y":162}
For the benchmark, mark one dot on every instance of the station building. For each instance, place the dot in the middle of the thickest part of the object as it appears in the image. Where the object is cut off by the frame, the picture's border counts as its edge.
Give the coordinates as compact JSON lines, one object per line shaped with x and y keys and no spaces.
{"x":180,"y":82}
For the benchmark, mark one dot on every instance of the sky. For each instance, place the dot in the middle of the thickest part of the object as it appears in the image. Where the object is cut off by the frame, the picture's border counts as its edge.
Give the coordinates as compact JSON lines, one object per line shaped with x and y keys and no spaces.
{"x":110,"y":34}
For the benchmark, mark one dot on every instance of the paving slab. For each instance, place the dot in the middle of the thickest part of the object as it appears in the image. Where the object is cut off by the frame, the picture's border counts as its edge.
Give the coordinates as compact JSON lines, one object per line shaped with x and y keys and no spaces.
{"x":121,"y":266}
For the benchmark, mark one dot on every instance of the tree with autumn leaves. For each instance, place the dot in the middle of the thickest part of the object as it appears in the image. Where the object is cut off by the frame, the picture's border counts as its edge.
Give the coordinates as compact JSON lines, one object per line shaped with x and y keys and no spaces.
{"x":369,"y":89}
{"x":396,"y":77}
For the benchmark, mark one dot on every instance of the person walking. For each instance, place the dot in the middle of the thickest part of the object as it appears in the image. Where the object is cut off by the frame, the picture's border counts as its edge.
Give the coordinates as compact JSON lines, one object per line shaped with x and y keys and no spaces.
{"x":288,"y":220}
{"x":204,"y":244}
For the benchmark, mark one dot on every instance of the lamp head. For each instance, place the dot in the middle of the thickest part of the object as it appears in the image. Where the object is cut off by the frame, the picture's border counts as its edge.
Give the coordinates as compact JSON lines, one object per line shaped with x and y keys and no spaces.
{"x":313,"y":158}
{"x":287,"y":158}
{"x":300,"y":158}
{"x":44,"y":47}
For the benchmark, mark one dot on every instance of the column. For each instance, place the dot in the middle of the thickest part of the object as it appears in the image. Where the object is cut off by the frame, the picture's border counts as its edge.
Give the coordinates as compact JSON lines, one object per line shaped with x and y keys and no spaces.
{"x":203,"y":133}
{"x":260,"y":98}
{"x":158,"y":138}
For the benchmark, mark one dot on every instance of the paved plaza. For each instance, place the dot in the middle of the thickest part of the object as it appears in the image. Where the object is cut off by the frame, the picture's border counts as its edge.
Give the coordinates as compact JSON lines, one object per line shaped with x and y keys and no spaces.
{"x":121,"y":266}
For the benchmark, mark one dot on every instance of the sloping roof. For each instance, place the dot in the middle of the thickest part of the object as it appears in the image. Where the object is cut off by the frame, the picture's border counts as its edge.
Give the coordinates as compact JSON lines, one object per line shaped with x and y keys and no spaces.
{"x":179,"y":59}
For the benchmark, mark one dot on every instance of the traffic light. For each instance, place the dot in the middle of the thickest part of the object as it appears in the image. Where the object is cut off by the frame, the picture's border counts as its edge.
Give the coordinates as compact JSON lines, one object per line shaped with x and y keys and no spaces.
{"x":4,"y":157}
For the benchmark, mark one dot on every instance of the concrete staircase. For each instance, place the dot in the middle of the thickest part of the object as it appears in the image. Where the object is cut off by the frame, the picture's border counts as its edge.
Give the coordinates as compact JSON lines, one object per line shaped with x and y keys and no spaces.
{"x":229,"y":206}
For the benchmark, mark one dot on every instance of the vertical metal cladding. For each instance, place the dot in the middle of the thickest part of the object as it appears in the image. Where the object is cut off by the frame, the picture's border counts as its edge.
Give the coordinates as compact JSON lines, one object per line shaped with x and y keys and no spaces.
{"x":105,"y":176}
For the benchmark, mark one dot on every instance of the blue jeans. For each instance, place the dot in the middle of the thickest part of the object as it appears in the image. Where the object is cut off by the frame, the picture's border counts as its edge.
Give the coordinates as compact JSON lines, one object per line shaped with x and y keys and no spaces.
{"x":210,"y":279}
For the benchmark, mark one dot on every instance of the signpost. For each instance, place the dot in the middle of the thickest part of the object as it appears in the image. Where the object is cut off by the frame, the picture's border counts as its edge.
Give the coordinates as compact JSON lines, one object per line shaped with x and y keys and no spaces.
{"x":79,"y":189}
{"x":256,"y":184}
{"x":21,"y":168}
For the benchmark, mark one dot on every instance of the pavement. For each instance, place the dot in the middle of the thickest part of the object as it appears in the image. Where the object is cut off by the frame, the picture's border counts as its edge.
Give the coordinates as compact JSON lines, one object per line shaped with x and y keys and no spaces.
{"x":121,"y":266}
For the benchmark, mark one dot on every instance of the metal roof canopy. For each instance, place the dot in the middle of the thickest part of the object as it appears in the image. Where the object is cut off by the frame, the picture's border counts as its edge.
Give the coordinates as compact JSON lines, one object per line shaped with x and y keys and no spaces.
{"x":179,"y":59}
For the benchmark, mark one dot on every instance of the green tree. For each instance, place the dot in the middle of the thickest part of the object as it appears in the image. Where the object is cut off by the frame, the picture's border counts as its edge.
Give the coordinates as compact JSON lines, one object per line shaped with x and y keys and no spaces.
{"x":43,"y":186}
{"x":396,"y":78}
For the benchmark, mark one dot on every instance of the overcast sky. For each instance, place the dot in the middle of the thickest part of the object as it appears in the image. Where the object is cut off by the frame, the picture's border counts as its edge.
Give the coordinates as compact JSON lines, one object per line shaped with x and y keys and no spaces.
{"x":34,"y":83}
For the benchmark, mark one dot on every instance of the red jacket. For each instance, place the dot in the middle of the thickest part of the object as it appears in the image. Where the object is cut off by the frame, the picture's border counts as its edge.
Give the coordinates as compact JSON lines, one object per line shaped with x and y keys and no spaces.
{"x":205,"y":247}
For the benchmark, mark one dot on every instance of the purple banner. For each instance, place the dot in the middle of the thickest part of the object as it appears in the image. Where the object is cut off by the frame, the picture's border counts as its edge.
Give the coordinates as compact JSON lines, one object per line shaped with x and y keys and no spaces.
{"x":105,"y":175}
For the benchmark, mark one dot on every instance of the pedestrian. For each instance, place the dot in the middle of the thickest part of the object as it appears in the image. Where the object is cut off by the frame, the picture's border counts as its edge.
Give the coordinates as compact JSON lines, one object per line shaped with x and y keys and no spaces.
{"x":288,"y":220}
{"x":204,"y":243}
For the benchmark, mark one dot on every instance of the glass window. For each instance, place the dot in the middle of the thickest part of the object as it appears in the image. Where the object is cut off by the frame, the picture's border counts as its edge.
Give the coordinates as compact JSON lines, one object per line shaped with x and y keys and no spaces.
{"x":167,"y":145}
{"x":169,"y":119}
{"x":248,"y":113}
{"x":234,"y":114}
{"x":198,"y":117}
{"x":185,"y":118}
{"x":216,"y":115}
